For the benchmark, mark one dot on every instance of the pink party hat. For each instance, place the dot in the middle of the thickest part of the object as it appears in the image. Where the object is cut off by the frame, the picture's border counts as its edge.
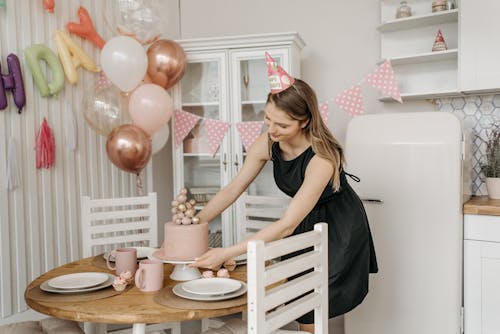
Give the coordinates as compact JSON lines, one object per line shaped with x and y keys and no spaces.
{"x":279,"y":80}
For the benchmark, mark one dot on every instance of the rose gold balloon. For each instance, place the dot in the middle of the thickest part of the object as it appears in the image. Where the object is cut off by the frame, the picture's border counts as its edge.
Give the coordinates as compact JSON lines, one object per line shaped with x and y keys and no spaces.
{"x":129,"y":148}
{"x":166,"y":62}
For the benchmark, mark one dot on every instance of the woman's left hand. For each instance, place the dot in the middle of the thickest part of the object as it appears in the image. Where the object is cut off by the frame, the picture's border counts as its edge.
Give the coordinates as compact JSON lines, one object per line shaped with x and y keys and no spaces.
{"x":213,"y":259}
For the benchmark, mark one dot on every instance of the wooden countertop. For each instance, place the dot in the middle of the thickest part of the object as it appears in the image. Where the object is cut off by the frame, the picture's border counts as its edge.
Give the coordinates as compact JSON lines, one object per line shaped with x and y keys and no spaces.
{"x":482,"y":205}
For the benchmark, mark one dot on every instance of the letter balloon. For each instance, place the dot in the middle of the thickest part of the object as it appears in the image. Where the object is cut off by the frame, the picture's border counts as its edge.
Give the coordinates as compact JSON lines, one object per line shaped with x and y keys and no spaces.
{"x":13,"y":81}
{"x":33,"y":55}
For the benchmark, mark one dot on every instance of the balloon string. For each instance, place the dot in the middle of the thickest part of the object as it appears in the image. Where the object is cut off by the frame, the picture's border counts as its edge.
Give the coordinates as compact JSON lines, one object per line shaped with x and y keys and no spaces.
{"x":139,"y":185}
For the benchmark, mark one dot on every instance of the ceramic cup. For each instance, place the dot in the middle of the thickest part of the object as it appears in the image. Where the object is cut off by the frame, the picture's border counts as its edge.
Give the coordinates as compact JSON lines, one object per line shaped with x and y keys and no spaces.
{"x":149,"y":276}
{"x":125,"y":260}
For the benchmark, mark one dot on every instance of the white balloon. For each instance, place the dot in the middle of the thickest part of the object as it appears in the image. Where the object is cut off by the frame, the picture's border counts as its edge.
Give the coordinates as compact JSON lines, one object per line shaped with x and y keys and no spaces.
{"x":124,"y":61}
{"x":160,"y":138}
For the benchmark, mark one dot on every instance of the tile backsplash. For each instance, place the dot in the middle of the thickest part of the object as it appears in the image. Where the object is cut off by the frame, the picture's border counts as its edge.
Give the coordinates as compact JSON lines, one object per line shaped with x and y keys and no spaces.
{"x":478,"y":114}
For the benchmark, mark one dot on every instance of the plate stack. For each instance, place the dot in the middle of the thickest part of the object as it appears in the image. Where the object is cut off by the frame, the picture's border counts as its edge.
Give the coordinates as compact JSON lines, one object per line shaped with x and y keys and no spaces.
{"x":78,"y":282}
{"x":210,"y":289}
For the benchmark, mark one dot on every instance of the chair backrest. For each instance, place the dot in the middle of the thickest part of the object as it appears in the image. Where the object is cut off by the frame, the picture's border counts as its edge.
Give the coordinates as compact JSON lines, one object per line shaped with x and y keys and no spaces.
{"x":258,"y":212}
{"x":109,"y":223}
{"x":265,"y":310}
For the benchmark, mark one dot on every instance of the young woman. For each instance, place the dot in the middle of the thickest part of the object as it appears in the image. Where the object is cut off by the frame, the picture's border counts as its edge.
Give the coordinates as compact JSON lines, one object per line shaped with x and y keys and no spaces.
{"x":307,"y":162}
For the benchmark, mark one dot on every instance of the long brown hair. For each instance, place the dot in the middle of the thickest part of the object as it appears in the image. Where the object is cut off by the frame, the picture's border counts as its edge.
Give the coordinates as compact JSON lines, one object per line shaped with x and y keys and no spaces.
{"x":300,"y":103}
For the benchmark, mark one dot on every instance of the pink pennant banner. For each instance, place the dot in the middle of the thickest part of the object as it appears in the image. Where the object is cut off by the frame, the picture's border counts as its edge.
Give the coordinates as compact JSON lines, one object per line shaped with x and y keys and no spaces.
{"x":351,"y":101}
{"x":324,"y":111}
{"x":249,"y":131}
{"x":183,"y":123}
{"x":383,"y":79}
{"x":216,"y":130}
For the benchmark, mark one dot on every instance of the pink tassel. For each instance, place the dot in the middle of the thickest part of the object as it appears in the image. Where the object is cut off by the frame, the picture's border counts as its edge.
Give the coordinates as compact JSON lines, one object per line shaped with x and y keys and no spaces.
{"x":45,"y":147}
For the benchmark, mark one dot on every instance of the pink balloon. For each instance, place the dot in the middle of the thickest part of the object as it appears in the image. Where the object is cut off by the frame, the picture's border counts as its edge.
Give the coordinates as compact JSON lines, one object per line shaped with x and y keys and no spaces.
{"x":150,"y":107}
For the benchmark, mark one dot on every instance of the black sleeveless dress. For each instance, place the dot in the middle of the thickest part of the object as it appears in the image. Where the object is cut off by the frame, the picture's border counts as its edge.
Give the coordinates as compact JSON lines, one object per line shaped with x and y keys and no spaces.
{"x":351,"y":254}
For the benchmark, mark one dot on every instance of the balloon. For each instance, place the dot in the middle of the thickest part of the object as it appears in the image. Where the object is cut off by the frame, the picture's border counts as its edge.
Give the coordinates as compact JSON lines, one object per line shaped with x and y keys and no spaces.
{"x":166,"y":62}
{"x":49,"y":5}
{"x":129,"y":148}
{"x":85,"y":29}
{"x":33,"y":54}
{"x":124,"y":61}
{"x":143,"y":20}
{"x":104,"y":107}
{"x":72,"y":56}
{"x":160,"y":138}
{"x":150,"y":107}
{"x":13,"y":81}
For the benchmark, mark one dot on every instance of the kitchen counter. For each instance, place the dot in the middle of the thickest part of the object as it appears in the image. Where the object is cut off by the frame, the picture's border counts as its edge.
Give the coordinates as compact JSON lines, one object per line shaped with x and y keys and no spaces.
{"x":482,"y":205}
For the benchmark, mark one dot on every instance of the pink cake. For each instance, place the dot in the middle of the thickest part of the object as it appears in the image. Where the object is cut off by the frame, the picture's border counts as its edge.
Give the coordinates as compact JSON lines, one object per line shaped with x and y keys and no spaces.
{"x":185,"y":242}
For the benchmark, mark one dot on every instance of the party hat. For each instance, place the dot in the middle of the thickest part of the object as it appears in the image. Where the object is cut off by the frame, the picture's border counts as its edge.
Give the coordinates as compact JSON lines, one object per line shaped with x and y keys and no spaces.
{"x":279,"y":80}
{"x":439,"y":43}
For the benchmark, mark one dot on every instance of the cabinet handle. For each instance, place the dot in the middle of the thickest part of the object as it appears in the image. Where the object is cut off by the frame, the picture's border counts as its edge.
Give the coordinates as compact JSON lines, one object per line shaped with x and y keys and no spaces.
{"x":236,"y":163}
{"x":224,"y":162}
{"x":372,"y":200}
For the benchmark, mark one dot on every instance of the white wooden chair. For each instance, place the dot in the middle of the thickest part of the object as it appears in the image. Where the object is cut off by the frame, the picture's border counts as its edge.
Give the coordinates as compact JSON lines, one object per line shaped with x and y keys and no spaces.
{"x":258,"y":212}
{"x":110,"y":223}
{"x":270,"y":309}
{"x":44,"y":326}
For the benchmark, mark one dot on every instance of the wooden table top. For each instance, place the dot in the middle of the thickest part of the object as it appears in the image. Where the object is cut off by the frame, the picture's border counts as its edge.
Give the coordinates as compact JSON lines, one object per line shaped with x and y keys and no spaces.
{"x":482,"y":205}
{"x":128,"y":307}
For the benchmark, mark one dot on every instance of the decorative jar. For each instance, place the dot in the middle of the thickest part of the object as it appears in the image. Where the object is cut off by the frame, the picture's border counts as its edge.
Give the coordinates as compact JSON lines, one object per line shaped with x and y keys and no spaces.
{"x":438,"y":6}
{"x":404,"y":10}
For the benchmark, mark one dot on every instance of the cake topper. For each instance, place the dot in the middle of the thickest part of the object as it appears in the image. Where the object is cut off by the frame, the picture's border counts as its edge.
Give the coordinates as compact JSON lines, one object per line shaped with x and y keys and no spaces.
{"x":279,"y":80}
{"x":183,"y":210}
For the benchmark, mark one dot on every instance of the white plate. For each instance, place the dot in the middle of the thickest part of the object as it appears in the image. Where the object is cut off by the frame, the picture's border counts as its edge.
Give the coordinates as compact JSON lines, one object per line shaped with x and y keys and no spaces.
{"x":241,"y":259}
{"x":179,"y":291}
{"x":46,"y":287}
{"x":211,"y":286}
{"x":142,"y":253}
{"x":78,"y":280}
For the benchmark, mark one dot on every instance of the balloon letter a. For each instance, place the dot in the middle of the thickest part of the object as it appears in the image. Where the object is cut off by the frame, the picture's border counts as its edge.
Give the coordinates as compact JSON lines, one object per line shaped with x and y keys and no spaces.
{"x":14,"y":82}
{"x":72,"y":56}
{"x":39,"y":51}
{"x":85,"y":28}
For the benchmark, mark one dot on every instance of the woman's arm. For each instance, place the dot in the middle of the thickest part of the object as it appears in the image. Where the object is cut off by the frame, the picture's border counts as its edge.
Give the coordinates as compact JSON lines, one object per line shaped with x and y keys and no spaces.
{"x":254,"y":162}
{"x":317,"y":177}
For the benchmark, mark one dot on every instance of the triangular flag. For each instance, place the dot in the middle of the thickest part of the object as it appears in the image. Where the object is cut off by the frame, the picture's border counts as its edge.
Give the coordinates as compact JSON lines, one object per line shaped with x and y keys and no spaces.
{"x":383,"y":79}
{"x":249,"y":131}
{"x":351,"y":101}
{"x":324,"y":111}
{"x":183,"y":123}
{"x":216,"y":130}
{"x":279,"y":80}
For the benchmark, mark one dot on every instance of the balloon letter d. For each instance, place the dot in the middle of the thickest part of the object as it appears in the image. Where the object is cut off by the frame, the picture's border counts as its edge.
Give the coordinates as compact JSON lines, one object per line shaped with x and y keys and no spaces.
{"x":13,"y":81}
{"x":39,"y":51}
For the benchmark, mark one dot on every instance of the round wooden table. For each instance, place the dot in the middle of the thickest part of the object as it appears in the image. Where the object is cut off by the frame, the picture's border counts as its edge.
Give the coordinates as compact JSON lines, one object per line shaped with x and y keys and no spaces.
{"x":129,"y":307}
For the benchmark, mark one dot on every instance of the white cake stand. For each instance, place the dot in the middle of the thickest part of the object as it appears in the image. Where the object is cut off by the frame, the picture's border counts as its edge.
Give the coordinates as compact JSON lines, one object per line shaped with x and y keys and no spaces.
{"x":181,"y":270}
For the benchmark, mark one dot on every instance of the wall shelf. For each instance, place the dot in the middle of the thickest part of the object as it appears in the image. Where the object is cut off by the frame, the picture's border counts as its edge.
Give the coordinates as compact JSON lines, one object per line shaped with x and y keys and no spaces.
{"x":419,"y":21}
{"x":422,"y":96}
{"x":424,"y":57}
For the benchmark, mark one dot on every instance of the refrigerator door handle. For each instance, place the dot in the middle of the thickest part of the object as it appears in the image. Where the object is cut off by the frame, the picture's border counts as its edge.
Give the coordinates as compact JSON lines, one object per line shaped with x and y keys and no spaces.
{"x":373,"y":200}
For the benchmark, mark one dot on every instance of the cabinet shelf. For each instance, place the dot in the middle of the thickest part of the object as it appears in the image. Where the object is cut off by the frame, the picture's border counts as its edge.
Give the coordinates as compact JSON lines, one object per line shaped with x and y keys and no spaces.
{"x":424,"y":57}
{"x":201,"y":155}
{"x":422,"y":96}
{"x":200,"y":104}
{"x":419,"y":21}
{"x":253,"y":102}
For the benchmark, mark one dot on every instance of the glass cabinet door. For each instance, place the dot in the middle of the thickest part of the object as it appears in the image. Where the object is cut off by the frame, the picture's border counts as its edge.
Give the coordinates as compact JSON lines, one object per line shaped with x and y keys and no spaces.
{"x":202,"y":93}
{"x":251,"y":85}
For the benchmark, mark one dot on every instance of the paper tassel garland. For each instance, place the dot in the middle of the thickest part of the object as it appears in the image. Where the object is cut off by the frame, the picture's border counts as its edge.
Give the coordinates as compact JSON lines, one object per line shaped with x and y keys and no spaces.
{"x":13,"y":178}
{"x":45,"y":147}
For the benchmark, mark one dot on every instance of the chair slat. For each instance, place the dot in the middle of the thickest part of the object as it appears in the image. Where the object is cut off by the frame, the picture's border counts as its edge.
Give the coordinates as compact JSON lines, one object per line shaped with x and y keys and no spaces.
{"x":132,"y":226}
{"x":121,"y":239}
{"x":301,"y":241}
{"x":297,"y":308}
{"x":256,"y":224}
{"x":122,"y":214}
{"x":270,"y":213}
{"x":267,"y":200}
{"x":291,"y":290}
{"x":293,"y":266}
{"x":122,"y":201}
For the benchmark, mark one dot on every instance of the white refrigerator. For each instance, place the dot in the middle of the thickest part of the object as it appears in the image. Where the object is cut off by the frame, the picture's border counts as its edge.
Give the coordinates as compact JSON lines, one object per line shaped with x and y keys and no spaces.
{"x":411,"y":167}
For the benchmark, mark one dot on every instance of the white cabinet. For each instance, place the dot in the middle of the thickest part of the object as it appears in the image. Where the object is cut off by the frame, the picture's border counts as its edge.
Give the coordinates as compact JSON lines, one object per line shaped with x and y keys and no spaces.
{"x":226,"y":79}
{"x":481,"y":274}
{"x":408,"y":42}
{"x":480,"y":53}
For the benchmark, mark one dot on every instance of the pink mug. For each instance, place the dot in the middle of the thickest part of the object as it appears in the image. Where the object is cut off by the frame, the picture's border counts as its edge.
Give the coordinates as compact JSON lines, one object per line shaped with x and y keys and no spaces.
{"x":149,"y":276}
{"x":125,"y":260}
